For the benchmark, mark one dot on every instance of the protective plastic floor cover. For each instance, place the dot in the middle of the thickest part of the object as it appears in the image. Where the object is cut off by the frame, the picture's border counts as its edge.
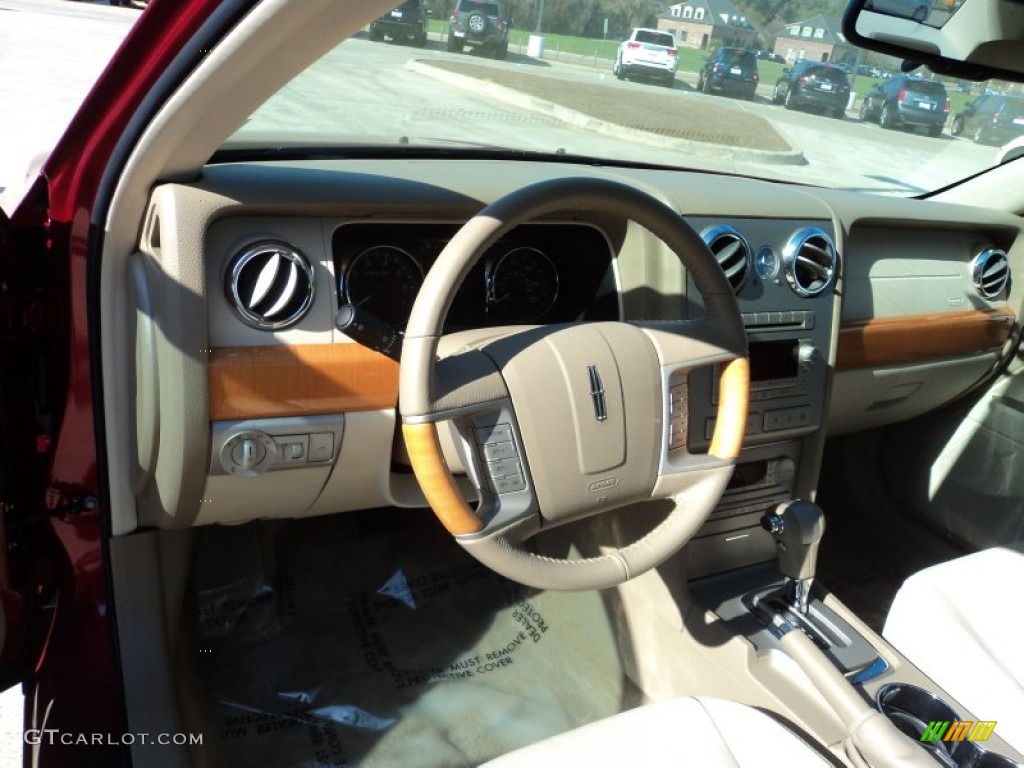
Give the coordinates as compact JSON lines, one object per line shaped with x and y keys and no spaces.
{"x":325,"y":644}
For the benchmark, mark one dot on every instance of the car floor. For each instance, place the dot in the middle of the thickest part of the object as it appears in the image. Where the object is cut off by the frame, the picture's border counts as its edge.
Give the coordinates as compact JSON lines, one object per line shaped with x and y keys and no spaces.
{"x":373,"y":639}
{"x":871,"y":545}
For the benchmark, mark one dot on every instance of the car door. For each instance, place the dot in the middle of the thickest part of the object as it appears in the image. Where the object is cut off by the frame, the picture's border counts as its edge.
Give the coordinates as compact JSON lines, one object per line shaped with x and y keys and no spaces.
{"x":23,"y":439}
{"x":972,"y":113}
{"x":56,"y":610}
{"x":873,"y":101}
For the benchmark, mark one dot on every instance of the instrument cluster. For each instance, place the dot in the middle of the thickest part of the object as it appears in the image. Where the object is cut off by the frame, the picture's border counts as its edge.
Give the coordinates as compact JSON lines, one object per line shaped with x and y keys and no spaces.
{"x":538,"y":273}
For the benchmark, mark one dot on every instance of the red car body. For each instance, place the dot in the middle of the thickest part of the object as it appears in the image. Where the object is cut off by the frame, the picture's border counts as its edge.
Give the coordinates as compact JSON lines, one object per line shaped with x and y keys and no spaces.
{"x":59,"y":633}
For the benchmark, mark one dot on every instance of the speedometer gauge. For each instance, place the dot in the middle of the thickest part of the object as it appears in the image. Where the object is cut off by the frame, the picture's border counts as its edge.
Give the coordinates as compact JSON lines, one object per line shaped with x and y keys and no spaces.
{"x":384,"y":281}
{"x":522,"y":285}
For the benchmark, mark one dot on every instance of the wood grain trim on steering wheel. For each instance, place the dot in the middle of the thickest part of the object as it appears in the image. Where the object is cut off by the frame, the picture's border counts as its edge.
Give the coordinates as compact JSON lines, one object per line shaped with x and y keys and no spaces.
{"x":436,"y":480}
{"x":733,"y":401}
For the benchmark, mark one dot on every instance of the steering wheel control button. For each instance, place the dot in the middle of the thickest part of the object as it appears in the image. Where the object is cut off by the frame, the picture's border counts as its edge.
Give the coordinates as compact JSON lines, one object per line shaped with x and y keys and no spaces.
{"x":500,"y":450}
{"x":249,"y":453}
{"x":504,"y":467}
{"x":494,"y":433}
{"x":507,"y":484}
{"x":677,"y":409}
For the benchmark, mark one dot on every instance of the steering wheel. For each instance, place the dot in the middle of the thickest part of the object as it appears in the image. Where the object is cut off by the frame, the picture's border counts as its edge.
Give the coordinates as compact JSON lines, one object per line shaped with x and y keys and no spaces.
{"x":560,"y":422}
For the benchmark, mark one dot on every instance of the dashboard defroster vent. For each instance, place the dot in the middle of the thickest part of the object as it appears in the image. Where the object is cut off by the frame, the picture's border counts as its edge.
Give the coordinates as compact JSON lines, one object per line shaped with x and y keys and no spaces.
{"x":269,"y":284}
{"x":732,"y":251}
{"x":990,"y":271}
{"x":810,"y":261}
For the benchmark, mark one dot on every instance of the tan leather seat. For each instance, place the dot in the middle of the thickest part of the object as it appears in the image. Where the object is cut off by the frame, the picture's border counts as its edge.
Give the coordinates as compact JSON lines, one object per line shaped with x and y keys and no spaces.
{"x":961,"y":623}
{"x":704,"y":732}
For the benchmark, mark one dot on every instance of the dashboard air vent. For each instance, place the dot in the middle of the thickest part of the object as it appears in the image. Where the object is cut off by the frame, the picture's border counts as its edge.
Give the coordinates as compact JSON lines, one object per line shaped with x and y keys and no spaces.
{"x":269,"y":285}
{"x":732,"y":251}
{"x":990,"y":271}
{"x":810,"y":261}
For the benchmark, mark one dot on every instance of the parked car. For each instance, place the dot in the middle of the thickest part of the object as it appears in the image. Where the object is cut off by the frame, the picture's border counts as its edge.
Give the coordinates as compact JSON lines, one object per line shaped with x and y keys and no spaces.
{"x":406,"y":23}
{"x":918,"y":10}
{"x":729,"y":71}
{"x":906,"y":101}
{"x":648,"y":54}
{"x":813,"y":85}
{"x":990,"y":119}
{"x":770,"y":56}
{"x":355,"y":411}
{"x":481,"y":24}
{"x":1012,"y":150}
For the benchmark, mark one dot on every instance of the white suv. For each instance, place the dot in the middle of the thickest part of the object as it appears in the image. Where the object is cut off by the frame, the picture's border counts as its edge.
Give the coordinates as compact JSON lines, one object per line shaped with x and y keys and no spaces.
{"x":647,"y":53}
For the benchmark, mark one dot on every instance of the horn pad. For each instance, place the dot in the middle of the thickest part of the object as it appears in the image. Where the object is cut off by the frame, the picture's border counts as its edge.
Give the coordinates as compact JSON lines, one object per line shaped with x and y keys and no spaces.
{"x":599,"y":383}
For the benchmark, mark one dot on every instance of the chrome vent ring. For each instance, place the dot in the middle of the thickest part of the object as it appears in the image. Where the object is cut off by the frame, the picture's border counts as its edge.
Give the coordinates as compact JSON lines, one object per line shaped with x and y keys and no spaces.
{"x":269,"y":284}
{"x":732,"y":252}
{"x":810,"y":261}
{"x":990,"y":271}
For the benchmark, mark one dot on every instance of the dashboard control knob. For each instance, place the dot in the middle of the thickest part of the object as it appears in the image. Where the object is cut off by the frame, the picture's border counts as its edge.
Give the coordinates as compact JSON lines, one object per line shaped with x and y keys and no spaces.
{"x":807,"y":353}
{"x":248,"y":453}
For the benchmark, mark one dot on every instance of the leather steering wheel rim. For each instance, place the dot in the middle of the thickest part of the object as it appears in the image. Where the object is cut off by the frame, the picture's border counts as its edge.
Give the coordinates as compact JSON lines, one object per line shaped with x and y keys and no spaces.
{"x":500,"y":546}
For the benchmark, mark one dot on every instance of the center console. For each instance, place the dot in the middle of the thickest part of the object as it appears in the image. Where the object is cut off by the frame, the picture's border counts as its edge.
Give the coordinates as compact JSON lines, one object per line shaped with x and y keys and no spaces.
{"x":854,"y":670}
{"x":788,"y":309}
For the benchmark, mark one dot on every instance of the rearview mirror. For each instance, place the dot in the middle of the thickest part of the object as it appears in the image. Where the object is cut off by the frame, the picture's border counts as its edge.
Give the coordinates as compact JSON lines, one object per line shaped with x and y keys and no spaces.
{"x":972,"y":39}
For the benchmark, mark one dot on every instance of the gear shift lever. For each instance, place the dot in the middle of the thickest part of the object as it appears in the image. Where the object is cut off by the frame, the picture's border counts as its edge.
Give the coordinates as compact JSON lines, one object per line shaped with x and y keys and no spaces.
{"x":797,"y":527}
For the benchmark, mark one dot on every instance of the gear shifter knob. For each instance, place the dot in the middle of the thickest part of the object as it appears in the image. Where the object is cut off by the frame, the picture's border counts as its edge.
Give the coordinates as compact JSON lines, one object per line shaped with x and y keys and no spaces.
{"x":797,"y":527}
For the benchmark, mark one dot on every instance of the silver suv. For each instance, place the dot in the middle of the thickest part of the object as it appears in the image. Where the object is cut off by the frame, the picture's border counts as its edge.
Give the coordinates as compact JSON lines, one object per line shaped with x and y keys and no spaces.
{"x":479,"y":22}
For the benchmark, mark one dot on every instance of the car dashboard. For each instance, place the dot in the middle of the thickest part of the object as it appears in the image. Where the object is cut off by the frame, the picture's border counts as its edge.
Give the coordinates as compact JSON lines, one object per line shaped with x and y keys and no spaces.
{"x":860,"y":311}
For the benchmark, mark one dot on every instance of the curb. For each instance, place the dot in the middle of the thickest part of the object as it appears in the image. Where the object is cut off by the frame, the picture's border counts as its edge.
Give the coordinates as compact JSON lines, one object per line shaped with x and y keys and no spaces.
{"x":583,"y":120}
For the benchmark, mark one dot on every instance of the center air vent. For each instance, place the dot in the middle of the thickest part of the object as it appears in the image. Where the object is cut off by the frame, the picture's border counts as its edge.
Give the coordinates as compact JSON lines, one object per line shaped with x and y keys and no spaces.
{"x":269,"y":285}
{"x":732,"y":252}
{"x":810,"y":261}
{"x":990,"y":271}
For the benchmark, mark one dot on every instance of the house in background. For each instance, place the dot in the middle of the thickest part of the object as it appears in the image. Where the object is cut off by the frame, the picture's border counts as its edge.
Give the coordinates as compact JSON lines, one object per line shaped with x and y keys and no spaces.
{"x":819,"y":38}
{"x":696,"y":23}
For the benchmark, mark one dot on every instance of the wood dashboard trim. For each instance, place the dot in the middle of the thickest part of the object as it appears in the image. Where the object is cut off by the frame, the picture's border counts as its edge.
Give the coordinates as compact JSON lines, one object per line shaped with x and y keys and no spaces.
{"x":887,"y":341}
{"x":299,"y":380}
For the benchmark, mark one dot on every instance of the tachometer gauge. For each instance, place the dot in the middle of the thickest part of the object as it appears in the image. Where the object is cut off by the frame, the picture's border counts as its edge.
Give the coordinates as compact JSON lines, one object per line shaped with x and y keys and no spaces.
{"x":766,"y":263}
{"x":384,"y":281}
{"x":522,"y":286}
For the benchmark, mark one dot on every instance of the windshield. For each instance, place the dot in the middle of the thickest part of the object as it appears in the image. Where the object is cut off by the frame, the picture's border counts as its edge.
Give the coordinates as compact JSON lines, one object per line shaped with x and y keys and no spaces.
{"x":928,"y":87}
{"x":657,"y":38}
{"x":831,"y":74}
{"x":496,"y":85}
